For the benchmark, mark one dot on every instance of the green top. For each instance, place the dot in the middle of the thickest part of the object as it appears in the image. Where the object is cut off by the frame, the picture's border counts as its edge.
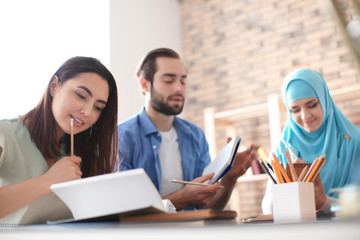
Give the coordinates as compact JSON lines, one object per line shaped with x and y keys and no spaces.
{"x":21,"y":160}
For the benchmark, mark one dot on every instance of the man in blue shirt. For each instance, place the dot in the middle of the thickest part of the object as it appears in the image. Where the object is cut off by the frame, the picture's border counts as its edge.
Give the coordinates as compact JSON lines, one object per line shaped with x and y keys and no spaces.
{"x":168,"y":147}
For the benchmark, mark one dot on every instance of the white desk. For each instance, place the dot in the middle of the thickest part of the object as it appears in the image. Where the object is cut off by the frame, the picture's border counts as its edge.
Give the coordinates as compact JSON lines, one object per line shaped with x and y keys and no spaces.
{"x":326,"y":229}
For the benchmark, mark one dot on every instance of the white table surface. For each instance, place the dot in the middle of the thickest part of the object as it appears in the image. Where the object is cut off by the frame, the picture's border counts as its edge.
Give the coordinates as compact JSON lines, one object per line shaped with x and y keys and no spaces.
{"x":325,"y":229}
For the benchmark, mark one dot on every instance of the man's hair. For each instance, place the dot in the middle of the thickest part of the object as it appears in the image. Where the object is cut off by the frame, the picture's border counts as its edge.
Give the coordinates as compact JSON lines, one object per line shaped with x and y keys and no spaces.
{"x":148,"y":68}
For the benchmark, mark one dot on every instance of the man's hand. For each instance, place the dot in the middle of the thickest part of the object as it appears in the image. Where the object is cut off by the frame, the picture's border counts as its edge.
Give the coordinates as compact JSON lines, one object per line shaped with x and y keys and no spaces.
{"x":211,"y":196}
{"x":193,"y":195}
{"x":241,"y":163}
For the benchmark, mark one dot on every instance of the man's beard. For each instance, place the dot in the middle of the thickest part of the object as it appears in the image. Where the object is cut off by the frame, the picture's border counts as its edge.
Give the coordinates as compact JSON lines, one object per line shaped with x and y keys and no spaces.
{"x":160,"y":105}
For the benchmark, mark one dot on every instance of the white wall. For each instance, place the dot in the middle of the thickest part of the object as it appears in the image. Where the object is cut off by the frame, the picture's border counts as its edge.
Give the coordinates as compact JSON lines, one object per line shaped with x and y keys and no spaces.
{"x":37,"y":36}
{"x":136,"y":27}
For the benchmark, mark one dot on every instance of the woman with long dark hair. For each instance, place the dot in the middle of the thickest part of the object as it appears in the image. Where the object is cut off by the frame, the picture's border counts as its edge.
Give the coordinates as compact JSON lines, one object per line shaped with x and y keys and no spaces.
{"x":35,"y":147}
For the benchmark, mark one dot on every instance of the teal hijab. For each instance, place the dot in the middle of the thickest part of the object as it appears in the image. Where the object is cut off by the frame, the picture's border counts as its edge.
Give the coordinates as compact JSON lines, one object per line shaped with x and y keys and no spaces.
{"x":342,"y":166}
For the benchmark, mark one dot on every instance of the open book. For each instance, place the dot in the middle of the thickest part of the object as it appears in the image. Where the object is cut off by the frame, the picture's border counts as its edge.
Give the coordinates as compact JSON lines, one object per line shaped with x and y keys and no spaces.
{"x":114,"y":194}
{"x":223,"y":161}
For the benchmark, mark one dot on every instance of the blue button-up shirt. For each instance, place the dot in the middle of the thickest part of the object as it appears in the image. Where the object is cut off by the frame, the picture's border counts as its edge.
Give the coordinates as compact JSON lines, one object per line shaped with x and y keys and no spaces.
{"x":139,"y":143}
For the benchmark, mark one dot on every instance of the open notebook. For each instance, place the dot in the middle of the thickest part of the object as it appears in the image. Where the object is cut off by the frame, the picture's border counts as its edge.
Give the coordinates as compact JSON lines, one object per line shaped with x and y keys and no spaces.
{"x":110,"y":195}
{"x":128,"y":196}
{"x":224,"y":160}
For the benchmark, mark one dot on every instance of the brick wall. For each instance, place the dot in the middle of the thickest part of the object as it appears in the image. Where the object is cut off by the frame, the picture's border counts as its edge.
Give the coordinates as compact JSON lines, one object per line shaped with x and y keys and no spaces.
{"x":238,"y":52}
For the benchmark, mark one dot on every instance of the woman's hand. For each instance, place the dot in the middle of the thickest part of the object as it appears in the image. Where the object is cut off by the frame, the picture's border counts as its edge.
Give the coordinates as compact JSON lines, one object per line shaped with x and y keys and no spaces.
{"x":319,"y":191}
{"x":66,"y":169}
{"x":320,"y":195}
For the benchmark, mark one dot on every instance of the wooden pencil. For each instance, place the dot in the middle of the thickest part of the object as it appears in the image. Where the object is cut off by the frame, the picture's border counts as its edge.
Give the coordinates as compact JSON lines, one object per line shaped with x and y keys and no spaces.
{"x":277,"y":172}
{"x":310,"y":169}
{"x":283,"y":173}
{"x":317,"y":170}
{"x":292,"y":152}
{"x":192,"y":183}
{"x":281,"y":169}
{"x":313,"y":170}
{"x":72,"y":137}
{"x":302,"y":174}
{"x":292,"y":169}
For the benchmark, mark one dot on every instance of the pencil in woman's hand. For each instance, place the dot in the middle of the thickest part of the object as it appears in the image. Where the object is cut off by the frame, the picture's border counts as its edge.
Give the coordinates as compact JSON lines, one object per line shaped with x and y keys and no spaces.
{"x":71,"y":136}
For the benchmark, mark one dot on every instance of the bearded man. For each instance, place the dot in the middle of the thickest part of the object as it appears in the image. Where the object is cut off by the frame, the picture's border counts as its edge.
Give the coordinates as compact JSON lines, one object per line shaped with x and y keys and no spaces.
{"x":168,"y":147}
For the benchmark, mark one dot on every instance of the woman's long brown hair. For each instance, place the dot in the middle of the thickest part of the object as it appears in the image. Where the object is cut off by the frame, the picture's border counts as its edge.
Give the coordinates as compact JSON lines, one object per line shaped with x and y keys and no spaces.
{"x":97,"y":146}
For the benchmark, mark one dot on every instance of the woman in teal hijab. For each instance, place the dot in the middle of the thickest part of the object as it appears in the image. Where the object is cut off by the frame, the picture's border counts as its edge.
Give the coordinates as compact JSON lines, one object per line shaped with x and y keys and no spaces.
{"x":316,"y":127}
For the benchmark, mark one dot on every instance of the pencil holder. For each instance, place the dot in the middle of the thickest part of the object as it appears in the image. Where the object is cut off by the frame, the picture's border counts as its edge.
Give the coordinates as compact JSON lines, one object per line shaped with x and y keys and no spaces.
{"x":294,"y":202}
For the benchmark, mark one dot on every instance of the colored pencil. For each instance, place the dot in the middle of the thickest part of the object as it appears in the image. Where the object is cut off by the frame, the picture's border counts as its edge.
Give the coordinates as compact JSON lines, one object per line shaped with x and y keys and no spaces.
{"x":268,"y":171}
{"x":283,"y":173}
{"x":316,"y":169}
{"x":263,"y":157}
{"x":281,"y":169}
{"x":277,"y":172}
{"x":310,"y":169}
